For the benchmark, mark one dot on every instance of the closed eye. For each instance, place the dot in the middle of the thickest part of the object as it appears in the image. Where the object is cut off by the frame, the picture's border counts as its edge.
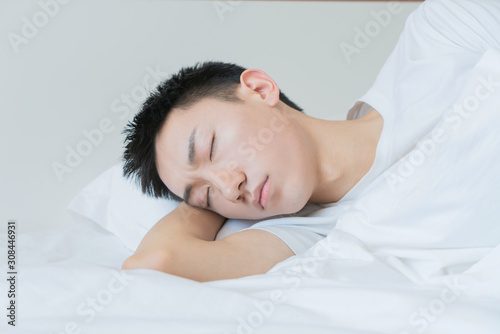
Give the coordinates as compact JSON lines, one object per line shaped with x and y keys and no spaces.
{"x":211,"y":153}
{"x":212,"y":147}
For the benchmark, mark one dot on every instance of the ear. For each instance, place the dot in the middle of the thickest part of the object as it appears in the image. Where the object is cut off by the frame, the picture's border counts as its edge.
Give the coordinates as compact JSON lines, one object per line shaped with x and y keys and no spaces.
{"x":257,"y":84}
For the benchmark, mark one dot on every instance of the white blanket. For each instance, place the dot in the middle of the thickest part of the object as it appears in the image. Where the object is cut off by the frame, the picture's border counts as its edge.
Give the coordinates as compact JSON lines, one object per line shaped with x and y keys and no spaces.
{"x":419,"y":252}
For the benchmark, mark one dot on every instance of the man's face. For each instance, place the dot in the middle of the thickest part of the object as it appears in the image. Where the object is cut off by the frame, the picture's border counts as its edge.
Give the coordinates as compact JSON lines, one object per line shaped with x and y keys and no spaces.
{"x":253,"y":142}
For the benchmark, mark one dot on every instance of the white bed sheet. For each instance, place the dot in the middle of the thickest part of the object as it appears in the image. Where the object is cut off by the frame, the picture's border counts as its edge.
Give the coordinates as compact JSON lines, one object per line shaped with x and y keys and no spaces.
{"x":370,"y":275}
{"x":349,"y":291}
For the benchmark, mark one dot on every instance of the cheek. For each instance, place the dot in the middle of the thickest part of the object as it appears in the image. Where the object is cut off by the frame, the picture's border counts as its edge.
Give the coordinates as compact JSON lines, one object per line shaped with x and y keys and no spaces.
{"x":294,"y":179}
{"x":173,"y":180}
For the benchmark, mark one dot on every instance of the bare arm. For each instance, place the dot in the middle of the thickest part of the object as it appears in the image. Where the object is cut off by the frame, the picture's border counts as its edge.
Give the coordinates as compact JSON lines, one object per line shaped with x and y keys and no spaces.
{"x":182,"y":244}
{"x":183,"y":222}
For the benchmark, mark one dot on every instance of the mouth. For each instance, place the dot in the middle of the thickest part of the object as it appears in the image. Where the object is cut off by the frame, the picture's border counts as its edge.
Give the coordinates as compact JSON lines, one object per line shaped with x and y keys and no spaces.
{"x":262,"y":195}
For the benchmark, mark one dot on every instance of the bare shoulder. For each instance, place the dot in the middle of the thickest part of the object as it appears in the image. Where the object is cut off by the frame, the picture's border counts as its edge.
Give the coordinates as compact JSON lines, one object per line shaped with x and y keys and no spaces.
{"x":260,"y":241}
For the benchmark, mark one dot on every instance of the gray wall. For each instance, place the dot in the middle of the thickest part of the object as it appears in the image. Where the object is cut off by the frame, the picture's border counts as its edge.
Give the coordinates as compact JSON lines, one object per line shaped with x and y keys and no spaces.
{"x":68,"y":67}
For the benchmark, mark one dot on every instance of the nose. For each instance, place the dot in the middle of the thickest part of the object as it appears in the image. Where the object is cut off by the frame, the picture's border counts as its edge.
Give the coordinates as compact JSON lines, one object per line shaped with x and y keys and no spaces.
{"x":230,"y":184}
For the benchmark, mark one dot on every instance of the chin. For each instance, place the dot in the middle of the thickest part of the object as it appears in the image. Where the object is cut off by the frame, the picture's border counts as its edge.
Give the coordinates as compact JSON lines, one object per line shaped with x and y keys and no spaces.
{"x":298,"y":204}
{"x":290,"y":209}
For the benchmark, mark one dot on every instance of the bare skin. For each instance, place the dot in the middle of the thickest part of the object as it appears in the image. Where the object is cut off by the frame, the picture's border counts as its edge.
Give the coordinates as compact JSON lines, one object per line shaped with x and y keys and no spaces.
{"x":260,"y":139}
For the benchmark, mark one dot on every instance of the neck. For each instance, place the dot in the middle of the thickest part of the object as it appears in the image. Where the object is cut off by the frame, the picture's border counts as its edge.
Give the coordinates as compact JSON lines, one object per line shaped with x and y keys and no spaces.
{"x":345,"y":152}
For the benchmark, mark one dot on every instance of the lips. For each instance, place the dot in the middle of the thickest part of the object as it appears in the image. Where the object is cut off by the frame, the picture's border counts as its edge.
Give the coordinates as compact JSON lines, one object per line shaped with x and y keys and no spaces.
{"x":264,"y":193}
{"x":257,"y":195}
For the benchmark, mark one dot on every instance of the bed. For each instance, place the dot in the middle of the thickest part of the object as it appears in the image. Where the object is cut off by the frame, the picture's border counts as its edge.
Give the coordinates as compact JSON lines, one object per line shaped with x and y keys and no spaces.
{"x":438,"y":272}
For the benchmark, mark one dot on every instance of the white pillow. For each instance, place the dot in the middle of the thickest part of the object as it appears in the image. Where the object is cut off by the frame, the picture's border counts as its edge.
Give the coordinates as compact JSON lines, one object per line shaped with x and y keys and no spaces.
{"x":118,"y":205}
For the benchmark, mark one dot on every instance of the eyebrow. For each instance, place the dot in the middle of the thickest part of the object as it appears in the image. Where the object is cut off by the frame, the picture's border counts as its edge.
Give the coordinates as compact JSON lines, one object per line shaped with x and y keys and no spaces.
{"x":191,"y":156}
{"x":191,"y":149}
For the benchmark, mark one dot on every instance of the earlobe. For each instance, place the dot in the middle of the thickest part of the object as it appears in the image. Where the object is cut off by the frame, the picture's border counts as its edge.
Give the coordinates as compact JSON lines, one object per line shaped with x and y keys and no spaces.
{"x":256,"y":81}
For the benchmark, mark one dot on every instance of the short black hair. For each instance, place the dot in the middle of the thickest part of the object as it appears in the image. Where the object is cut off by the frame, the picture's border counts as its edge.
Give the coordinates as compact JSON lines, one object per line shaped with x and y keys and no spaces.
{"x":190,"y":85}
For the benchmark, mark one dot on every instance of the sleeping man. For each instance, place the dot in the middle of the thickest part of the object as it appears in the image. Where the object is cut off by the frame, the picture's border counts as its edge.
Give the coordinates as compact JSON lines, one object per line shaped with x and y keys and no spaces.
{"x":227,"y":143}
